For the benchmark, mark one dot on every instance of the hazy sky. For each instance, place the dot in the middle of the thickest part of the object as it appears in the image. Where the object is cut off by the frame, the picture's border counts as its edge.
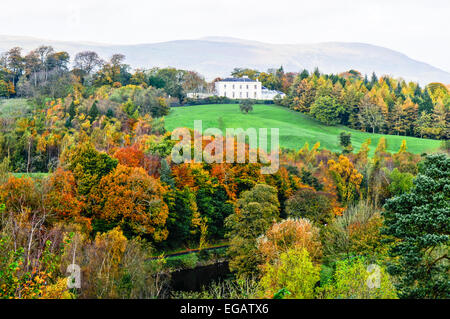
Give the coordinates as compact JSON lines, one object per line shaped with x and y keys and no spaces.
{"x":418,"y":28}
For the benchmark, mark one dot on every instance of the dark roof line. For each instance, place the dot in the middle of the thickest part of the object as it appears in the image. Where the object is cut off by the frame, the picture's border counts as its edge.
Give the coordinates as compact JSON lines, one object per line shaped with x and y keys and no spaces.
{"x":238,"y":80}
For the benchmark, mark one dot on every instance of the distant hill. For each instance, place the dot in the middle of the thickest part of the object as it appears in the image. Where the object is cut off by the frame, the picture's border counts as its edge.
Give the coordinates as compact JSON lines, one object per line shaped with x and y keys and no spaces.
{"x":217,"y":56}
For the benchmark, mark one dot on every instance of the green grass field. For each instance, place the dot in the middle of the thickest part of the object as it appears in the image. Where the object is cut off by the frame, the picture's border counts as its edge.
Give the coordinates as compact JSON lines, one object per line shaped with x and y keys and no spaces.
{"x":295,"y":128}
{"x":12,"y":108}
{"x":31,"y":175}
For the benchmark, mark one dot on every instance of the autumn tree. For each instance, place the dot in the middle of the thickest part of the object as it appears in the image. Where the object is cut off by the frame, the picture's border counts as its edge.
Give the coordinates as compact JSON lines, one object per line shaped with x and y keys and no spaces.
{"x":327,"y":110}
{"x":313,"y":205}
{"x":87,"y":62}
{"x":400,"y":182}
{"x":152,"y":101}
{"x":129,"y":197}
{"x":89,"y":166}
{"x":290,"y":234}
{"x":441,"y":114}
{"x":356,"y":233}
{"x":358,"y":279}
{"x":347,"y":179}
{"x":303,"y":95}
{"x":60,"y":195}
{"x":133,"y":156}
{"x":294,"y":272}
{"x":113,"y":72}
{"x":25,"y":240}
{"x":370,"y":115}
{"x":15,"y":63}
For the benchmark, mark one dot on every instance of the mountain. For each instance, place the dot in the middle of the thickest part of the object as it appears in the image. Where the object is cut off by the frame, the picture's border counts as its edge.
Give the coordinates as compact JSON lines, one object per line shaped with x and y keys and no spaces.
{"x":217,"y":56}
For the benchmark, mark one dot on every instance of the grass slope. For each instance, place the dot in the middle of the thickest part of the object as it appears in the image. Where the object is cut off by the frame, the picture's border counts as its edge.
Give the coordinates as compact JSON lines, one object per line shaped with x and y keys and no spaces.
{"x":295,"y":128}
{"x":13,"y":108}
{"x":31,"y":175}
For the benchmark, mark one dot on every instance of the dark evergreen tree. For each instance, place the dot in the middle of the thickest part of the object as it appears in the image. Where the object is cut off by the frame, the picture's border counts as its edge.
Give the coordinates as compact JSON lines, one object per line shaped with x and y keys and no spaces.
{"x":374,"y":79}
{"x":280,"y":72}
{"x":426,"y":104}
{"x":419,"y":223}
{"x":303,"y":75}
{"x":110,"y":113}
{"x":367,"y":83}
{"x":213,"y":203}
{"x":179,"y":221}
{"x":317,"y":72}
{"x":72,"y":111}
{"x":388,"y":82}
{"x":398,"y":91}
{"x":418,"y":91}
{"x":166,"y":173}
{"x":93,"y":112}
{"x":246,"y":106}
{"x":345,"y":140}
{"x":308,"y":178}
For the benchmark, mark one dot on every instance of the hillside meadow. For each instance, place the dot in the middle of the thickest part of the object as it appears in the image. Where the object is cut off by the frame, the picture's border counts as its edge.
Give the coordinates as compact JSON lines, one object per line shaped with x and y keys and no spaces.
{"x":295,"y":128}
{"x":13,"y":108}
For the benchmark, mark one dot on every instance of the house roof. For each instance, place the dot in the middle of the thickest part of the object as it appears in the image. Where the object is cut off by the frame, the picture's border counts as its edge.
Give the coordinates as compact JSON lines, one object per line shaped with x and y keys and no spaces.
{"x":238,"y":80}
{"x":267,"y":91}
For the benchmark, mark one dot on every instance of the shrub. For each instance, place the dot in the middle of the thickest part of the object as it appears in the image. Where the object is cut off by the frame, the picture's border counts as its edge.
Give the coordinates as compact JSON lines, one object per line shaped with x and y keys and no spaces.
{"x":307,"y":203}
{"x":356,"y":279}
{"x":356,"y":232}
{"x":294,"y":272}
{"x":188,"y":261}
{"x":289,"y":234}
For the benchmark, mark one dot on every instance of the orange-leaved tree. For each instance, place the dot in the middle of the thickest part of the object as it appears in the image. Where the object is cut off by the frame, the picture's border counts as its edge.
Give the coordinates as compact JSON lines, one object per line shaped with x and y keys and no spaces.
{"x":290,"y":234}
{"x":129,"y":197}
{"x":60,"y":195}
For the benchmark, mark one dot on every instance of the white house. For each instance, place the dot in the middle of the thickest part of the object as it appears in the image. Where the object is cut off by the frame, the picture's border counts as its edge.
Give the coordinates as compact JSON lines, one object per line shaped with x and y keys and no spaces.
{"x":239,"y":88}
{"x":245,"y":88}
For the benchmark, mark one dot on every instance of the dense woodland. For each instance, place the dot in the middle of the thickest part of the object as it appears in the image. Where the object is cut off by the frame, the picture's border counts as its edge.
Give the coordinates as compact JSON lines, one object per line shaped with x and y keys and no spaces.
{"x":111,"y":198}
{"x":383,"y":105}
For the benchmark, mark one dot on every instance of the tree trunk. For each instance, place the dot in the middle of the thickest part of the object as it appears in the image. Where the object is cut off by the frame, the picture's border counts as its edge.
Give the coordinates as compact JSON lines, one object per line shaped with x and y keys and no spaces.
{"x":29,"y":156}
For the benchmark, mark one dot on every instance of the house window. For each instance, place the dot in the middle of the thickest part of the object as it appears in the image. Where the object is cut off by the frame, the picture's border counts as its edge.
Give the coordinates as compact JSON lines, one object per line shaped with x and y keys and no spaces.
{"x":247,"y":94}
{"x":225,"y":94}
{"x":247,"y":87}
{"x":256,"y":87}
{"x":240,"y":94}
{"x":255,"y":95}
{"x":224,"y":86}
{"x":233,"y":95}
{"x":240,"y":86}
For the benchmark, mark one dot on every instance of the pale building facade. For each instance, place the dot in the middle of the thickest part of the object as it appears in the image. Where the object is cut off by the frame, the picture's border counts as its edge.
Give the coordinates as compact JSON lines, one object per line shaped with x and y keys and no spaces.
{"x":239,"y":88}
